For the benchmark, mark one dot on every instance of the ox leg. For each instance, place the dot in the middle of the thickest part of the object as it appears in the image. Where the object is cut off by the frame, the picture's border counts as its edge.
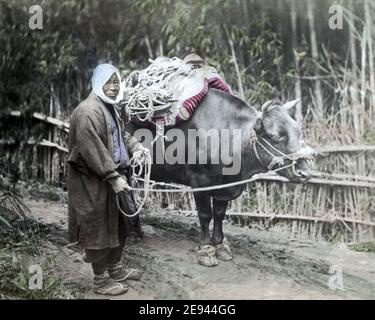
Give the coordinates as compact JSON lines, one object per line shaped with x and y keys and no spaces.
{"x":222,"y":248}
{"x":164,"y":200}
{"x":205,"y":252}
{"x":203,"y":203}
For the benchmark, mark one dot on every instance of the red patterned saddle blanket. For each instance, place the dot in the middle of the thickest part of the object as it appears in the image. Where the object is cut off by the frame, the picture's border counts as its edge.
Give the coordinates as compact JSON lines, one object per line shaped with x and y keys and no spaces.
{"x":169,"y":90}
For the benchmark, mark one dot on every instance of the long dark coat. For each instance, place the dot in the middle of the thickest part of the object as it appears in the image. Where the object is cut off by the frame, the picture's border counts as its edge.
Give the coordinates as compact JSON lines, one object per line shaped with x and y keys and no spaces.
{"x":93,"y":214}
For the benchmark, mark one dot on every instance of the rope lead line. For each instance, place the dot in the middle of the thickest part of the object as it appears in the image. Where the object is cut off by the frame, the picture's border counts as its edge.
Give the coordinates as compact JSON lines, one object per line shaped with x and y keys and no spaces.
{"x":304,"y":153}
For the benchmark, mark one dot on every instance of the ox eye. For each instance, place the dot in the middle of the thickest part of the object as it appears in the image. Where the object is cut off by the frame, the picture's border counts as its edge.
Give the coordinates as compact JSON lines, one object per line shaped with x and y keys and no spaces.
{"x":279,"y":139}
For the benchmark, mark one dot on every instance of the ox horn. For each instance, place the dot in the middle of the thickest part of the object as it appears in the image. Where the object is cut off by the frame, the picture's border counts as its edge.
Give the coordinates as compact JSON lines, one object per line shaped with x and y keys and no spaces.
{"x":266,"y":105}
{"x":290,"y":107}
{"x":290,"y":104}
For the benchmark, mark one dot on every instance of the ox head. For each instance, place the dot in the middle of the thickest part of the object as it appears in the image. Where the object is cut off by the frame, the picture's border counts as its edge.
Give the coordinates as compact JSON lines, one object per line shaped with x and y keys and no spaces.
{"x":279,"y":133}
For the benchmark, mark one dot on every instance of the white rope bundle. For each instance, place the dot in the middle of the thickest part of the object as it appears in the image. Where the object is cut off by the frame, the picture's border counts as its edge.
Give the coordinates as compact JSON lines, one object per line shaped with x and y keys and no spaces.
{"x":136,"y":175}
{"x":150,"y":96}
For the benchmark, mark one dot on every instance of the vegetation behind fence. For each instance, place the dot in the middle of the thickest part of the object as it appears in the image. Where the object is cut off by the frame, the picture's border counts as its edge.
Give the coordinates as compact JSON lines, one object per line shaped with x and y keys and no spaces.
{"x":266,"y":49}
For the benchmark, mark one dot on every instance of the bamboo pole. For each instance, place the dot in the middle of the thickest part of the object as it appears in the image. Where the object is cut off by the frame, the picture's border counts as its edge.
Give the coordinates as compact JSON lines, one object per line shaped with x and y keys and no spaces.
{"x":344,"y":148}
{"x":51,"y":120}
{"x":315,"y":56}
{"x":288,"y":217}
{"x":297,"y":85}
{"x":236,"y":66}
{"x":49,"y":144}
{"x":320,"y":181}
{"x":369,"y":28}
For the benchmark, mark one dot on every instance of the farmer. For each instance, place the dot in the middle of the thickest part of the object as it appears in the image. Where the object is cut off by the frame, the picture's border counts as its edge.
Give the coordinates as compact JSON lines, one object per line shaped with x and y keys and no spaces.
{"x":98,"y":151}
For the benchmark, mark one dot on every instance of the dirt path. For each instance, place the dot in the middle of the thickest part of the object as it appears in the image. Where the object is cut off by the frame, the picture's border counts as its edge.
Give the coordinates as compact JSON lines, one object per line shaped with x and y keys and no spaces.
{"x":267,"y":264}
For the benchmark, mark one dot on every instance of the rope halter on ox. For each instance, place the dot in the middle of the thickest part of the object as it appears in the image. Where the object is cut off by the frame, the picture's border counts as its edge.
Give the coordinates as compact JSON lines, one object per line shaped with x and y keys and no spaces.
{"x":144,"y":169}
{"x":277,"y":156}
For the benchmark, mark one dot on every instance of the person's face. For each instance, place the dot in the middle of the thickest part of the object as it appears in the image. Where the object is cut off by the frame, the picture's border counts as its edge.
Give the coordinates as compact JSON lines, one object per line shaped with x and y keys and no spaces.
{"x":112,"y":87}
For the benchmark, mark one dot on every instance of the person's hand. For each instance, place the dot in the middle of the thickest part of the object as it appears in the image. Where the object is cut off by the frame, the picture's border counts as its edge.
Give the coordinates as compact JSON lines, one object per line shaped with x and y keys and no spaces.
{"x":140,"y":155}
{"x":119,"y":184}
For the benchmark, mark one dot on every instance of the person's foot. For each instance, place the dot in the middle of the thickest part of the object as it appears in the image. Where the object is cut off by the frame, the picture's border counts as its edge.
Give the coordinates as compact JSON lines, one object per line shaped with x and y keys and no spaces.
{"x":119,"y":273}
{"x":103,"y":284}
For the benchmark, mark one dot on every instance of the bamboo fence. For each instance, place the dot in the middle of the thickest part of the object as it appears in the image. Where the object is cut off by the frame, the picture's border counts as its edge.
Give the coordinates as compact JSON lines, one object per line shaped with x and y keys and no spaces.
{"x":337,"y":204}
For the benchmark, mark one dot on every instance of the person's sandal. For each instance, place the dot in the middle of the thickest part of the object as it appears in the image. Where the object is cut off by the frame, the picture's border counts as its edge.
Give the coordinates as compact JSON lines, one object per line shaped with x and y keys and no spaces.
{"x":103,"y":284}
{"x":119,"y":273}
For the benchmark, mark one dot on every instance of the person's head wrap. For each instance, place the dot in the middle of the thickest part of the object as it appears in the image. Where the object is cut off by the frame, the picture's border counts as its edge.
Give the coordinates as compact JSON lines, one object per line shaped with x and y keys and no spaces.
{"x":101,"y":75}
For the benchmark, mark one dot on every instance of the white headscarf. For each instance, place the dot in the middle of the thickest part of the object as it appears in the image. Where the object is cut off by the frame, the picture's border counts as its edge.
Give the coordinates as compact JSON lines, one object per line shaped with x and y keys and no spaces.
{"x":101,"y":75}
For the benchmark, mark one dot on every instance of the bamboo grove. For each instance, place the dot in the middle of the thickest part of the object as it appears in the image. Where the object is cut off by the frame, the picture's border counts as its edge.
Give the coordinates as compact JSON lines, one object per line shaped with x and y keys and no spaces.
{"x":266,"y":50}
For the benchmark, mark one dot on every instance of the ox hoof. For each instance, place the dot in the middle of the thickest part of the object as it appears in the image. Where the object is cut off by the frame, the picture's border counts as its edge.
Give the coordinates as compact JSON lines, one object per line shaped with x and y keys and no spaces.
{"x":206,"y":256}
{"x":223,"y":252}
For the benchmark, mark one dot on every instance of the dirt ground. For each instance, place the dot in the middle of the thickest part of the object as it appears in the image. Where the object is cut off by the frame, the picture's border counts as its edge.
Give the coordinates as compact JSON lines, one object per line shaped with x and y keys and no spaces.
{"x":266,"y":264}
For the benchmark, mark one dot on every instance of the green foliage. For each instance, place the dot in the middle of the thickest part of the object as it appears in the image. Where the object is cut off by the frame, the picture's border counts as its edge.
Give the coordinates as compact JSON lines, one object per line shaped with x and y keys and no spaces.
{"x":79,"y":34}
{"x":335,"y":237}
{"x":11,"y":199}
{"x":369,"y":136}
{"x":14,"y":282}
{"x":21,"y":246}
{"x":363,"y":247}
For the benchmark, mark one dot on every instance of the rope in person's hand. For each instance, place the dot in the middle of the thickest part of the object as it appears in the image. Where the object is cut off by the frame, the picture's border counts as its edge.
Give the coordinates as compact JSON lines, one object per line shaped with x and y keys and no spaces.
{"x":143,"y":167}
{"x":304,"y":153}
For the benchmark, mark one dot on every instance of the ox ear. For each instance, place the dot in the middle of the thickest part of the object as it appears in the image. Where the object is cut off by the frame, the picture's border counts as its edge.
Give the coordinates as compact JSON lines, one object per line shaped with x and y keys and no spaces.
{"x":266,"y":106}
{"x":291,"y":107}
{"x":258,"y":126}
